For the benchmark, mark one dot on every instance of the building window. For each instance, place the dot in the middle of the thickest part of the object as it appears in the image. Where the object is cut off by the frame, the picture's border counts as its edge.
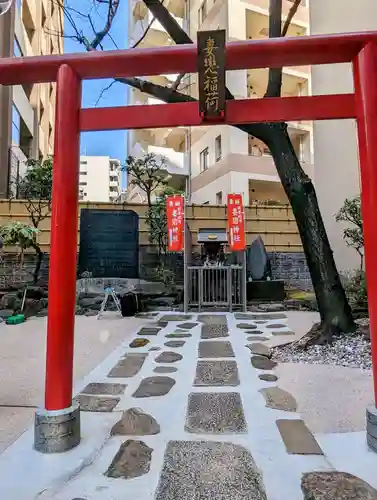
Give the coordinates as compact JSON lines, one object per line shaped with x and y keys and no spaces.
{"x":16,"y":126}
{"x":204,"y":159}
{"x":83,"y":172}
{"x":219,"y":198}
{"x":83,"y":183}
{"x":83,"y":162}
{"x":218,"y":148}
{"x":202,"y":13}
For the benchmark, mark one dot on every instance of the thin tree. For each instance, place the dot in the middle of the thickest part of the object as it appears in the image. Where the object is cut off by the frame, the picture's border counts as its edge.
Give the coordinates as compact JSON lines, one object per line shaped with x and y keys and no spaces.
{"x":335,"y":311}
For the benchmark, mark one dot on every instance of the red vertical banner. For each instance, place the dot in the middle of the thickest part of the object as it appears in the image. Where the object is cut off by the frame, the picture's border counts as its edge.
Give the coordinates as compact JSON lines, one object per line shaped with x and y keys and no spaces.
{"x":236,"y":222}
{"x":176,"y":220}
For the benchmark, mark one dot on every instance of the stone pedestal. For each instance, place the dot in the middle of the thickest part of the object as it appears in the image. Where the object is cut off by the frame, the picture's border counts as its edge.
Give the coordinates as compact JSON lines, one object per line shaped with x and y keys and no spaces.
{"x":372,"y":428}
{"x":57,"y":431}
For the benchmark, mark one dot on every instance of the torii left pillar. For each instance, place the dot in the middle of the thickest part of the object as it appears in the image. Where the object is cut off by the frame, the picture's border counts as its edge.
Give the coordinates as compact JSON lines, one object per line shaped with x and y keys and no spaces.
{"x":57,"y":426}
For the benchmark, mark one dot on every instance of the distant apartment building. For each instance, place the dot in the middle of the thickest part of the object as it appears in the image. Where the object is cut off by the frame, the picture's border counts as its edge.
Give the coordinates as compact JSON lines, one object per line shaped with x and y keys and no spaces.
{"x":222,"y":159}
{"x":27,"y":112}
{"x":99,"y":179}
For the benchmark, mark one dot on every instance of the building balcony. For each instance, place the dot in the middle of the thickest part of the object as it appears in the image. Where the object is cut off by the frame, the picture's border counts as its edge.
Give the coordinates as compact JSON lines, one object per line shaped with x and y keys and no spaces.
{"x":262,"y":6}
{"x":156,"y":36}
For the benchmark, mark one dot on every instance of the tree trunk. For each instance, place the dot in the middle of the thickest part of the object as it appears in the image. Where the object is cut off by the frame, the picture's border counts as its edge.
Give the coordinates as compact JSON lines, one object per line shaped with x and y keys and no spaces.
{"x":38,"y":264}
{"x":336,"y":314}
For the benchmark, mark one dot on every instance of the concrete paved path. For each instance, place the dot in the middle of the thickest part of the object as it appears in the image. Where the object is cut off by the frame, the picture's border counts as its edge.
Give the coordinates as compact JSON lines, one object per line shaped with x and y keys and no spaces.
{"x":193,"y":409}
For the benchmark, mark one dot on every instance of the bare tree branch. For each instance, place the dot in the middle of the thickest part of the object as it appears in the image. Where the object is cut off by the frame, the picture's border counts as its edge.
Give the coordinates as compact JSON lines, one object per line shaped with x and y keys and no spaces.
{"x":291,"y":15}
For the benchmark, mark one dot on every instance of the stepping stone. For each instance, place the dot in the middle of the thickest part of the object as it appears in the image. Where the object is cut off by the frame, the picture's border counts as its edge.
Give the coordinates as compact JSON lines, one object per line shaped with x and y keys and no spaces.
{"x":254,"y":332}
{"x":139,"y":343}
{"x":168,"y":357}
{"x":260,"y":349}
{"x":261,"y":316}
{"x":175,"y":317}
{"x":132,"y":460}
{"x":215,"y":349}
{"x":162,"y":324}
{"x":298,"y":439}
{"x":246,"y":326}
{"x":96,"y":403}
{"x":104,"y":389}
{"x":261,"y":322}
{"x":155,"y":349}
{"x":335,"y":485}
{"x":283,"y":332}
{"x":213,"y":319}
{"x":175,"y":343}
{"x":154,"y":386}
{"x":214,"y":331}
{"x":262,"y":363}
{"x":255,"y":337}
{"x":165,"y":369}
{"x":215,"y":413}
{"x":148,"y":331}
{"x":135,"y":422}
{"x":268,"y":377}
{"x":276,"y":325}
{"x":129,"y":366}
{"x":178,"y":335}
{"x":147,"y":315}
{"x":200,"y":470}
{"x":187,"y":326}
{"x":277,"y":399}
{"x":216,"y":373}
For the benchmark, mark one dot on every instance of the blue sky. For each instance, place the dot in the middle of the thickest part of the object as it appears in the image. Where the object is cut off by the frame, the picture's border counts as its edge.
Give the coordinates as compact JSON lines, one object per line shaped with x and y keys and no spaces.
{"x":100,"y":143}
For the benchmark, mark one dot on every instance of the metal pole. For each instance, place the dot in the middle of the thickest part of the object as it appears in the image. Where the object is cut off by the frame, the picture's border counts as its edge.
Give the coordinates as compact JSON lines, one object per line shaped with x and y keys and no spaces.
{"x":244,"y":285}
{"x":365,"y":76}
{"x":185,"y":270}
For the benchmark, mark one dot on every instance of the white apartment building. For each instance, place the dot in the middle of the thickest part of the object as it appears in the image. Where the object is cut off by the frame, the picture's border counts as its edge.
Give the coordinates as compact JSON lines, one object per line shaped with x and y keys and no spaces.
{"x":99,"y":179}
{"x":222,"y":159}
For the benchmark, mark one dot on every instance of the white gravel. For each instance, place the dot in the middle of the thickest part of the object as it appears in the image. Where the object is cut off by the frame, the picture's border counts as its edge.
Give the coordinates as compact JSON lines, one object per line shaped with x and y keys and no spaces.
{"x":353,"y":351}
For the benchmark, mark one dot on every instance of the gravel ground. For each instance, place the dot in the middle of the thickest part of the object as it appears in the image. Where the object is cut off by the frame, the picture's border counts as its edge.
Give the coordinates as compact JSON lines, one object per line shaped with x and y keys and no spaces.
{"x":352,"y":350}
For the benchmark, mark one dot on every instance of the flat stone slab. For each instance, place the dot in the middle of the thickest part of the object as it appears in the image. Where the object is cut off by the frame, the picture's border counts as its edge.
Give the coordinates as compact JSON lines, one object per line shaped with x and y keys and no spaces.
{"x":175,"y":343}
{"x":283,"y":332}
{"x":214,"y":331}
{"x":104,"y":389}
{"x":96,"y":403}
{"x":268,"y":377}
{"x":203,"y":470}
{"x":260,"y":349}
{"x":129,"y":366}
{"x":145,"y":331}
{"x":216,"y":373}
{"x":254,"y":332}
{"x":213,"y":319}
{"x":215,"y":349}
{"x":215,"y":413}
{"x":298,"y":439}
{"x":168,"y":357}
{"x":261,"y":316}
{"x":178,"y":335}
{"x":165,"y":369}
{"x":176,"y":317}
{"x":276,"y":325}
{"x":135,"y":422}
{"x":132,"y":460}
{"x":139,"y":343}
{"x":155,"y":349}
{"x":256,"y":338}
{"x":147,"y":315}
{"x":246,"y":326}
{"x":154,"y":386}
{"x":260,"y":322}
{"x":278,"y":399}
{"x":262,"y":363}
{"x":187,"y":326}
{"x":335,"y":485}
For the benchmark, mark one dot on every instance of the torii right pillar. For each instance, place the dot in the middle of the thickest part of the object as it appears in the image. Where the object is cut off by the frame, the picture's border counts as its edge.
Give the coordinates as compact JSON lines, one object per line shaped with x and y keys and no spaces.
{"x":365,"y":78}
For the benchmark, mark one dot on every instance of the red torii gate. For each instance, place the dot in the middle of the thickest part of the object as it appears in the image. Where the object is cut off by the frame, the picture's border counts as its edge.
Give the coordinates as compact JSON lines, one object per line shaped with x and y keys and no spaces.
{"x":62,"y":431}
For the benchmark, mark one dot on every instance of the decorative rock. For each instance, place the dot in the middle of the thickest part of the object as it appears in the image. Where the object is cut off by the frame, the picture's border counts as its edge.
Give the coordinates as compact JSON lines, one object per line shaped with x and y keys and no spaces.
{"x":271,"y":307}
{"x":200,"y":470}
{"x":335,"y":485}
{"x":262,"y":363}
{"x":254,"y":332}
{"x":276,"y":325}
{"x":129,"y":366}
{"x":148,"y":331}
{"x":260,"y":349}
{"x":299,"y":440}
{"x":168,"y":357}
{"x":6,"y":313}
{"x":132,"y":460}
{"x":139,"y":343}
{"x":187,"y":326}
{"x":215,"y":413}
{"x":260,"y":322}
{"x":165,"y":369}
{"x":91,"y":313}
{"x":268,"y":377}
{"x":96,"y":403}
{"x":216,"y":373}
{"x":246,"y":326}
{"x":154,"y":386}
{"x":216,"y":330}
{"x":178,"y":335}
{"x":135,"y":422}
{"x":215,"y":349}
{"x":283,"y":332}
{"x":278,"y":399}
{"x":175,"y":343}
{"x":256,"y":337}
{"x":104,"y":389}
{"x":155,"y":349}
